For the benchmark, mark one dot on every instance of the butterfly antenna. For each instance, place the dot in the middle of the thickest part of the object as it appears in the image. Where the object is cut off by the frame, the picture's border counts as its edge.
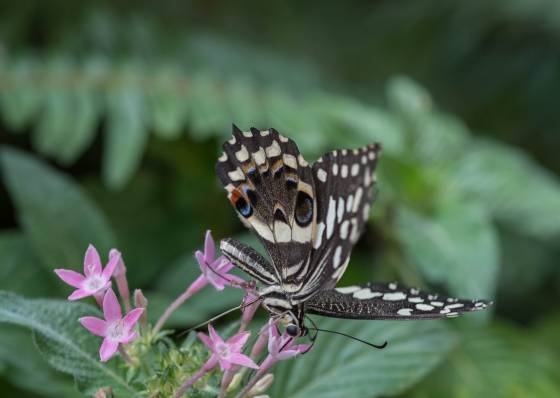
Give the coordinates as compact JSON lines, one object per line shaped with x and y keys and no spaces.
{"x":239,"y":307}
{"x":379,"y":347}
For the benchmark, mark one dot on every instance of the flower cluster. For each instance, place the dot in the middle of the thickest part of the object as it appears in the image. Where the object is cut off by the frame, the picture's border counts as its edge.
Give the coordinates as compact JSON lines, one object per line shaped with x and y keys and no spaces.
{"x":224,"y":355}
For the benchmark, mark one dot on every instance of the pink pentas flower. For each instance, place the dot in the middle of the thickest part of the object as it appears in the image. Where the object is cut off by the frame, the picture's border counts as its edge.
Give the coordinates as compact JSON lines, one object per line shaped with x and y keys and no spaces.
{"x":95,"y":279}
{"x":282,"y":347}
{"x":115,"y":328}
{"x":227,"y":353}
{"x":214,"y":270}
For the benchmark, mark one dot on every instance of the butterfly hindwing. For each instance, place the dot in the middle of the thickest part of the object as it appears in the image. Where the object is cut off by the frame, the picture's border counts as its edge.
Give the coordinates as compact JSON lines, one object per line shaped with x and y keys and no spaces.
{"x":343,"y":189}
{"x":388,"y":301}
{"x":270,"y":185}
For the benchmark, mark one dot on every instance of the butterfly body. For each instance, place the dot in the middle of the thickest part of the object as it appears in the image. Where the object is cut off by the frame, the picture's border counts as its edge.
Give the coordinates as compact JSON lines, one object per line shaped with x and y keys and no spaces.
{"x":308,"y":218}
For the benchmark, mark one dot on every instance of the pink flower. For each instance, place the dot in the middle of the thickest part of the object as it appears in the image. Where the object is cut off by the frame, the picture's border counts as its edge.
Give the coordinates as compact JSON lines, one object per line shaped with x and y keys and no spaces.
{"x":95,"y":279}
{"x":120,"y":277}
{"x":227,"y":353}
{"x":281,"y":347}
{"x":115,"y":329}
{"x":214,"y":270}
{"x":250,"y":305}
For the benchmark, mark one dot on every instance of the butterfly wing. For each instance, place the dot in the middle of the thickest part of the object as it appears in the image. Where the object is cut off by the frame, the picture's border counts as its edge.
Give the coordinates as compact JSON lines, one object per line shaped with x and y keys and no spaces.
{"x":343,"y":181}
{"x":388,"y":301}
{"x":270,"y":185}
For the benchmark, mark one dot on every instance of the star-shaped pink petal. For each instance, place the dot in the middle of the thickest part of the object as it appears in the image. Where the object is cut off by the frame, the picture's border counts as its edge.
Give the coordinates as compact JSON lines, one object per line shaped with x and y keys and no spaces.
{"x":95,"y":279}
{"x":115,"y":328}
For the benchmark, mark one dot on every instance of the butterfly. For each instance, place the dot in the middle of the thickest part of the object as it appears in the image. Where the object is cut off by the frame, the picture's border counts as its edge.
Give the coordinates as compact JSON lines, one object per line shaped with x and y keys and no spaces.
{"x":308,"y":218}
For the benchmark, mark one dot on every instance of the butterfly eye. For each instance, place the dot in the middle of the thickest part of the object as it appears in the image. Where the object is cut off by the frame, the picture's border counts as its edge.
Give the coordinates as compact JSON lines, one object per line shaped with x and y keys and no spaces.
{"x":292,"y":330}
{"x":304,"y":209}
{"x":243,"y":207}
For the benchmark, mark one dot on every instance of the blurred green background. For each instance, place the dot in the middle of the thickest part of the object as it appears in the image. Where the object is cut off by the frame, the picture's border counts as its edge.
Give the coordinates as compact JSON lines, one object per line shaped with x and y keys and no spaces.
{"x":112,"y":115}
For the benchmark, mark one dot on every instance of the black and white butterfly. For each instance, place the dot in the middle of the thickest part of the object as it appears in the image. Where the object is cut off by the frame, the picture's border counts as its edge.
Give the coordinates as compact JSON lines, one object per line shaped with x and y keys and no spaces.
{"x":308,"y":218}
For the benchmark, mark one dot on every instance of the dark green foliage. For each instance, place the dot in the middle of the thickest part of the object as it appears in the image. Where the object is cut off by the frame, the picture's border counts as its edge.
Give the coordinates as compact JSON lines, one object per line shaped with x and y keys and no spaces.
{"x":111,"y":118}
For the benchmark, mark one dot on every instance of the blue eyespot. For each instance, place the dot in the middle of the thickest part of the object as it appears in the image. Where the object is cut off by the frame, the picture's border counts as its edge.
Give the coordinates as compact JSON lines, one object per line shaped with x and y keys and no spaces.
{"x":304,"y":209}
{"x":243,"y":208}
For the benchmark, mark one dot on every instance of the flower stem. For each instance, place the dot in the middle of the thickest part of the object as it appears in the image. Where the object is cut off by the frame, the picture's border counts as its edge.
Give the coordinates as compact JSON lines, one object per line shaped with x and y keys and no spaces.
{"x":263,"y":369}
{"x":99,"y":298}
{"x":176,"y":304}
{"x":122,"y":286}
{"x":125,"y":356}
{"x":208,"y":366}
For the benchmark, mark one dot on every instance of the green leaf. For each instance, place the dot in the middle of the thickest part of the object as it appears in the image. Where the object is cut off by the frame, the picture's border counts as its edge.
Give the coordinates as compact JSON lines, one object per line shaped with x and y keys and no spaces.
{"x":20,"y":101}
{"x":511,"y":186}
{"x":457,"y":246}
{"x":19,"y":359}
{"x":20,"y":269}
{"x":408,"y":98}
{"x":338,"y":367}
{"x":495,"y":362}
{"x":127,"y":132}
{"x":365,"y":124}
{"x":57,"y":217}
{"x":64,"y":343}
{"x":168,"y":104}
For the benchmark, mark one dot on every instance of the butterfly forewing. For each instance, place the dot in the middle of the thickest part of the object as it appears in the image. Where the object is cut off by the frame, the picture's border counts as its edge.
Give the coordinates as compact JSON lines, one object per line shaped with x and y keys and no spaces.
{"x":388,"y":301}
{"x":270,"y":185}
{"x":343,"y":191}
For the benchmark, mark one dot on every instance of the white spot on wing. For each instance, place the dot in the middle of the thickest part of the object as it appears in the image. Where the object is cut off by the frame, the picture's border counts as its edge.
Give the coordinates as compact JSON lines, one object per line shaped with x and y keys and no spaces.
{"x":273,"y":149}
{"x":247,"y":134}
{"x":344,"y":229}
{"x":290,"y":160}
{"x":366,"y":293}
{"x":259,"y":157}
{"x":348,"y":289}
{"x":355,"y":169}
{"x":349,"y":203}
{"x":405,"y":312}
{"x":336,"y":256}
{"x":264,"y":133}
{"x":242,"y":155}
{"x":394,"y":296}
{"x":357,"y":199}
{"x":236,"y":175}
{"x":223,"y":158}
{"x":302,"y":162}
{"x":331,"y":214}
{"x":416,"y":299}
{"x":322,"y":175}
{"x":319,"y":235}
{"x":232,"y":140}
{"x":458,"y":305}
{"x":392,"y":285}
{"x":335,"y":169}
{"x":340,"y":211}
{"x":424,"y":307}
{"x":344,"y":171}
{"x":282,"y":138}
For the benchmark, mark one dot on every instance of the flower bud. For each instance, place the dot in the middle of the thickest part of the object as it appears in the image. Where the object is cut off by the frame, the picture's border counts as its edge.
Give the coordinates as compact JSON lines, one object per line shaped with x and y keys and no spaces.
{"x":262,"y":385}
{"x":105,"y":392}
{"x":236,"y":381}
{"x":140,"y":301}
